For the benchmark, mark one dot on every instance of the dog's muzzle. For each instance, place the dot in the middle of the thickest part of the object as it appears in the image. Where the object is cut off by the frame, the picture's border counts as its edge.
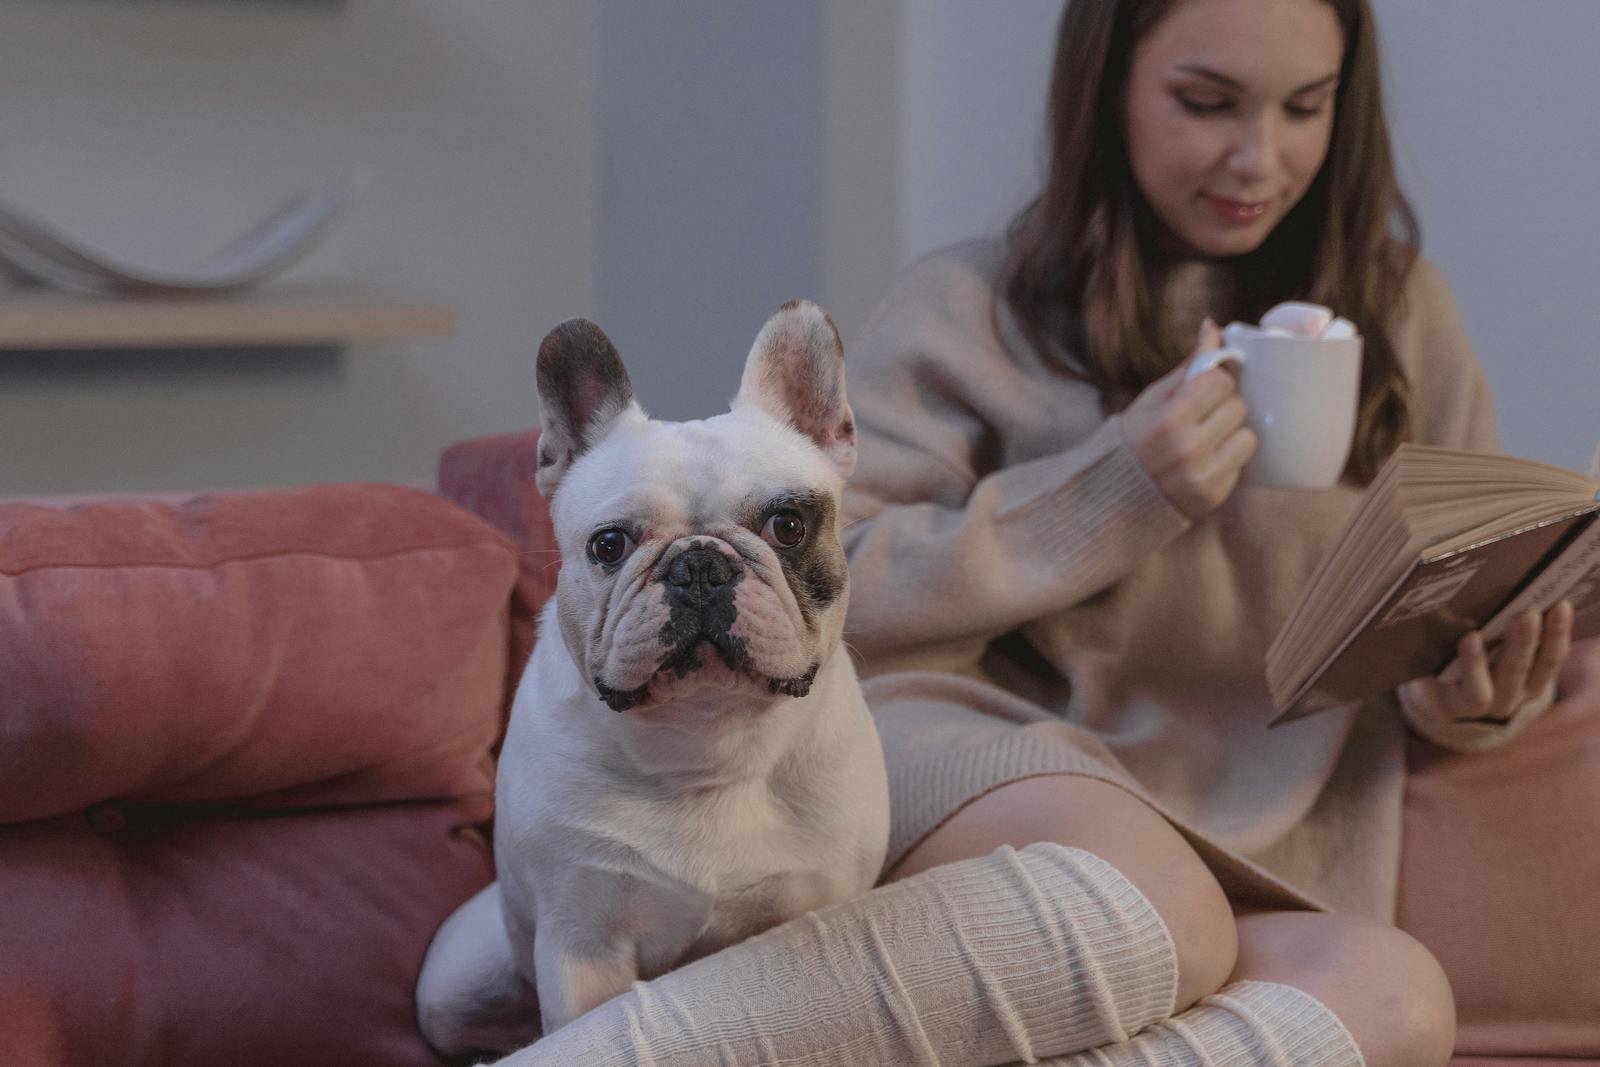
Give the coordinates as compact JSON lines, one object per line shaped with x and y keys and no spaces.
{"x":701,"y":599}
{"x":701,"y":586}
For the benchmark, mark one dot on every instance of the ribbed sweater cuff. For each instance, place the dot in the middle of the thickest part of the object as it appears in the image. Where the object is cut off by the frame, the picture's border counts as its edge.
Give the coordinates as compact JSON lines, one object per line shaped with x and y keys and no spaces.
{"x":1091,"y":523}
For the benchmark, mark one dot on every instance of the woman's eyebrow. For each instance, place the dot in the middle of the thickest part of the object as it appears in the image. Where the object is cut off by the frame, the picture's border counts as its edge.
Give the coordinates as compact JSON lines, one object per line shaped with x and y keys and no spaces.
{"x":1331,"y":79}
{"x":1222,"y":79}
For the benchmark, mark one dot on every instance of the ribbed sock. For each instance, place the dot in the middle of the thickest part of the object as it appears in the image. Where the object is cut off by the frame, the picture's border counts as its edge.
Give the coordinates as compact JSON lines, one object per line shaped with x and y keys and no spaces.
{"x":1247,"y":1024}
{"x":1011,"y":956}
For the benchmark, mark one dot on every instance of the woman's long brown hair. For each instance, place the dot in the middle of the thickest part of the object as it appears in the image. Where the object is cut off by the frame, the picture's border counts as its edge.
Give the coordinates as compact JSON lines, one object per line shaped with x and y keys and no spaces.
{"x":1082,"y":260}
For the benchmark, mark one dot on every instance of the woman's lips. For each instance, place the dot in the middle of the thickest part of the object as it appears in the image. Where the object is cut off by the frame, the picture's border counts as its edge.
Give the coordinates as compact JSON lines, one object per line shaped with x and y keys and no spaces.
{"x":1236,"y":212}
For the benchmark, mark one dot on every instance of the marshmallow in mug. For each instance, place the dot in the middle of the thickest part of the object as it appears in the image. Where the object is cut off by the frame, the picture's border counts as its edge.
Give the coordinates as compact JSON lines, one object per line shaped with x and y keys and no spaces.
{"x":1292,"y":318}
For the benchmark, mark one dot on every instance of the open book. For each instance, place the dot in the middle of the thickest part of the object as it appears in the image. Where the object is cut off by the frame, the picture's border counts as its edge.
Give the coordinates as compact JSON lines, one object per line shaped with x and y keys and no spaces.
{"x":1442,"y":543}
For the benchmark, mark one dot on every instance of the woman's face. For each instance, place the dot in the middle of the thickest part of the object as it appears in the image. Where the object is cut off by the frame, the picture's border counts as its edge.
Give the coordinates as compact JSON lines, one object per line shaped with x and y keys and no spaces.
{"x":1228,"y":112}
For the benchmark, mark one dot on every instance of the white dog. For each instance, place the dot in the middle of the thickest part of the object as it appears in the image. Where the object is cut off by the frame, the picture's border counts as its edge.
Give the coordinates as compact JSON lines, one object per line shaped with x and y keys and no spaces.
{"x":689,"y":759}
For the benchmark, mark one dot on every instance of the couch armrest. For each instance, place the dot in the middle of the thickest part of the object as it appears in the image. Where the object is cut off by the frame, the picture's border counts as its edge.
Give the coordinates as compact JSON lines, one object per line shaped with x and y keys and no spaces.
{"x":494,"y":478}
{"x":1498,"y":875}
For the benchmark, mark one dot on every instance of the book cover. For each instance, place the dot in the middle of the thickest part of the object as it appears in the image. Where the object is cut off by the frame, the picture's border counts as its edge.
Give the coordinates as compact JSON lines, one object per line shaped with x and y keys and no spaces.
{"x":1415,"y":626}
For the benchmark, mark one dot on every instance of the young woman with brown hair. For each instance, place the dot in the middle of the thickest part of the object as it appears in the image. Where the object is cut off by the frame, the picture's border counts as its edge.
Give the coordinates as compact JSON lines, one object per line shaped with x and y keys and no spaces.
{"x":1063,"y":596}
{"x":1032,"y":453}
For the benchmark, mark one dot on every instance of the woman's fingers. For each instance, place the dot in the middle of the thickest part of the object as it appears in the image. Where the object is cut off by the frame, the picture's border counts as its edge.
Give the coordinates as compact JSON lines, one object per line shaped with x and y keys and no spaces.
{"x":1478,"y":687}
{"x":1427,"y":697}
{"x":1473,"y":688}
{"x":1554,"y":646}
{"x":1222,"y":421}
{"x":1227,"y":461}
{"x":1511,"y":666}
{"x":1199,"y":399}
{"x":1460,"y":691}
{"x":1186,"y":432}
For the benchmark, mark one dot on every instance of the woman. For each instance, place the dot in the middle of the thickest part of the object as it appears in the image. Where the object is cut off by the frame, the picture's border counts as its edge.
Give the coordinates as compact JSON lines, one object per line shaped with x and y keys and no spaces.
{"x":1063,"y":597}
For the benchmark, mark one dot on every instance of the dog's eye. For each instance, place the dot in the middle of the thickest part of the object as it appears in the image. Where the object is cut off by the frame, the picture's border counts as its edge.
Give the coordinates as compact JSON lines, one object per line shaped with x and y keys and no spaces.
{"x":784,"y":529}
{"x":610,"y":547}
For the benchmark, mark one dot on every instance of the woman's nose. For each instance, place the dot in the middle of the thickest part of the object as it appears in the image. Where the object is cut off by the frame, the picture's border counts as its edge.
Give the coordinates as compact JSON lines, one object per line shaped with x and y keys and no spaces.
{"x":1253,"y":153}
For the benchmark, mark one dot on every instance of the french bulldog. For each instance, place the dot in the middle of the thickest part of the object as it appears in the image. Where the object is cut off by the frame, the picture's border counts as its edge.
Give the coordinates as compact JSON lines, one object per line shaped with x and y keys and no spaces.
{"x":689,"y":759}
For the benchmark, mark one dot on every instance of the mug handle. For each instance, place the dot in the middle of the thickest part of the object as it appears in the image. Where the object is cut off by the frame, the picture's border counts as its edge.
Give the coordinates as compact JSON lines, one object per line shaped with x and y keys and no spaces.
{"x":1213,"y":357}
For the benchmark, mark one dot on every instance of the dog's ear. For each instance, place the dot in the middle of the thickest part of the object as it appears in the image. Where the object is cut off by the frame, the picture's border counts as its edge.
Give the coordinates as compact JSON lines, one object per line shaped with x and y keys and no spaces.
{"x":795,"y":373}
{"x":582,"y":389}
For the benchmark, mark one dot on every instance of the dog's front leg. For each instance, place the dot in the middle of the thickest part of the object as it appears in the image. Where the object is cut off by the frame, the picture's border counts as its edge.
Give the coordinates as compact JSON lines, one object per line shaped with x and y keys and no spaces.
{"x":607,"y":929}
{"x":575,"y":975}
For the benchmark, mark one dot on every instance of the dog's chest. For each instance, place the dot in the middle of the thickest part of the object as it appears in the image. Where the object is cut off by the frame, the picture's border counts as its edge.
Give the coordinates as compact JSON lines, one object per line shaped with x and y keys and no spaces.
{"x":739,"y":863}
{"x":732,"y":841}
{"x":741,"y":866}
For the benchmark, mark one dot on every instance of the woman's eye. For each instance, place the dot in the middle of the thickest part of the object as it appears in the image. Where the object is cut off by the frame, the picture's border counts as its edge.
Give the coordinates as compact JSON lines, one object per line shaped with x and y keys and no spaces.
{"x":1198,"y":106}
{"x":785,"y":529}
{"x":1303,"y":111}
{"x":610,"y":547}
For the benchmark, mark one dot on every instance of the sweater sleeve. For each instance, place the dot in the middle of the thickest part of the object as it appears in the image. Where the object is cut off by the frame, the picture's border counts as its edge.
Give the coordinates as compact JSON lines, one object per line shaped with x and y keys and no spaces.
{"x":951,"y":543}
{"x":1451,"y":406}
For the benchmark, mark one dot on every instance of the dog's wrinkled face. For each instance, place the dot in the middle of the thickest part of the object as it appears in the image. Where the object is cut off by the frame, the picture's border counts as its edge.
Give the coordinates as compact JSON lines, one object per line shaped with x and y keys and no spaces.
{"x":699,"y":555}
{"x":701,"y":561}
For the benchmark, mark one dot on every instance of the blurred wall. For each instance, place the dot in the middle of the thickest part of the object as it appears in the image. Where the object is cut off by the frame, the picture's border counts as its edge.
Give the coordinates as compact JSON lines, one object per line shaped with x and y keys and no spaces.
{"x":158,"y":128}
{"x":1494,"y":108}
{"x":710,"y":197}
{"x":674,"y":171}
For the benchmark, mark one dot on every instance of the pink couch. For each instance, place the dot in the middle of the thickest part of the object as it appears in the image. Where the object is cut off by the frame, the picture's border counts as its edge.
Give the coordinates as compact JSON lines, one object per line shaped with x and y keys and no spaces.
{"x":244,"y":747}
{"x":246,"y":757}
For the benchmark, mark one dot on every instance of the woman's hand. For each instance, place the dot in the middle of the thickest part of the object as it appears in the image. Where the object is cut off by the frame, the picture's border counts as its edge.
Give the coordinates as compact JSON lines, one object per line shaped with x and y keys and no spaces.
{"x":1481,"y":688}
{"x":1191,"y":435}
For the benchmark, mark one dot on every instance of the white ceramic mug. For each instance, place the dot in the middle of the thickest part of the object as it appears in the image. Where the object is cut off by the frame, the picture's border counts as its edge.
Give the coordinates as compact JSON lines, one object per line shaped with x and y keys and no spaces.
{"x":1300,"y":394}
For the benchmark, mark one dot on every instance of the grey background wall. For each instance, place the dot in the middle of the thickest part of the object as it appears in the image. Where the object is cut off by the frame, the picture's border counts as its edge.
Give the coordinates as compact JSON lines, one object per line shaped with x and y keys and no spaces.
{"x":674,"y":171}
{"x":1499,"y":146}
{"x":710,"y":140}
{"x":156,"y":128}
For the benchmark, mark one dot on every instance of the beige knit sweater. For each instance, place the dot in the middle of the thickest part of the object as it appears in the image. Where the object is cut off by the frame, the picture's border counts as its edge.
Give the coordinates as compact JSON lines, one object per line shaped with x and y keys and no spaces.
{"x":1026,"y":601}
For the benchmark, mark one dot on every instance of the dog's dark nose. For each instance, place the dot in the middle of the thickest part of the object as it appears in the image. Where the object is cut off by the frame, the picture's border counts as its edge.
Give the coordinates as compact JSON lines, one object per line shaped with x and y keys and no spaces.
{"x":698,"y":573}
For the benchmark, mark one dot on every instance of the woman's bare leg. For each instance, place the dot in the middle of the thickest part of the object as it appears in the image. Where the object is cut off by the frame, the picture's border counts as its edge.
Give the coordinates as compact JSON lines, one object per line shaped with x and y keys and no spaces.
{"x":1383,"y":986}
{"x":1122,"y":830}
{"x":1387,"y":989}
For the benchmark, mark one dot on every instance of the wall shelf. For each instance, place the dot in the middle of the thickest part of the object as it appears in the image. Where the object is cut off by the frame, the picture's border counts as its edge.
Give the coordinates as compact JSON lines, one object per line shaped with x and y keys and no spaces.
{"x":276,"y":316}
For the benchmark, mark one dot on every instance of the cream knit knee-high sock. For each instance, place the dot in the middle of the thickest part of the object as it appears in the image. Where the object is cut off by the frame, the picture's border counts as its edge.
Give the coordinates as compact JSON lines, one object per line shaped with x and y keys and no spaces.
{"x":1247,"y":1024}
{"x":1014,"y":955}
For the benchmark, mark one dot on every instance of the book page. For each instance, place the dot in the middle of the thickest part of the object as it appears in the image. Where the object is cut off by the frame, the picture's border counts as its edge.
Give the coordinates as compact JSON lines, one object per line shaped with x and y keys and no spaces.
{"x":1413,"y":629}
{"x":1427,"y":505}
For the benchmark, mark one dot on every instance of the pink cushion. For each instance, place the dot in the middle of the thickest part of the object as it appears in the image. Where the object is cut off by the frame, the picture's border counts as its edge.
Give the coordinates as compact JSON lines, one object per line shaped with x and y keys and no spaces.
{"x":244,"y":752}
{"x":1500,"y":877}
{"x":330,"y":645}
{"x":195,"y":938}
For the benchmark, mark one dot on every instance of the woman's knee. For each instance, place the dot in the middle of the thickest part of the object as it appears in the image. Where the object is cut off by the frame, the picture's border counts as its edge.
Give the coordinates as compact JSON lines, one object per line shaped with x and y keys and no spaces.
{"x":1121,"y":829}
{"x":1384,"y":985}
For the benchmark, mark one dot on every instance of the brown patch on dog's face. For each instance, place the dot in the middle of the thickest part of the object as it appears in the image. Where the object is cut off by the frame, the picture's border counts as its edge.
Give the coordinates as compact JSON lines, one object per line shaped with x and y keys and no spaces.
{"x":815,"y":568}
